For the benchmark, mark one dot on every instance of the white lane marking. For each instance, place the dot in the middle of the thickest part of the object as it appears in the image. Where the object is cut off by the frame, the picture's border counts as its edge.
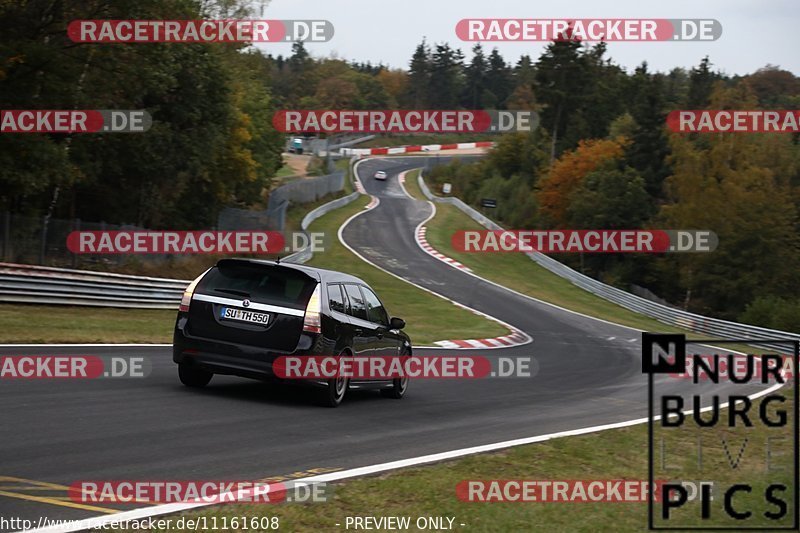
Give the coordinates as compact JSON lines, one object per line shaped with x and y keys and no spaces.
{"x":157,"y":510}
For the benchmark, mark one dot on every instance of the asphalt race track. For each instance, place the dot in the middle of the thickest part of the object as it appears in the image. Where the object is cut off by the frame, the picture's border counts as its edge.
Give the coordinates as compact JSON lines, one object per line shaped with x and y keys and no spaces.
{"x":59,"y":432}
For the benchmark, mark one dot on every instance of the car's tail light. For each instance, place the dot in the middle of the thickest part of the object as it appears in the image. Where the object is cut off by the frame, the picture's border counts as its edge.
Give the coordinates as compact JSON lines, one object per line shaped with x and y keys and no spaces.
{"x":186,"y":300}
{"x":312,"y":320}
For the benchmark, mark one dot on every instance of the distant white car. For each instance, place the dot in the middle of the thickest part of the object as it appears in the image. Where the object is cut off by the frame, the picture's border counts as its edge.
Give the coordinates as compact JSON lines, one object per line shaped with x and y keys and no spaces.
{"x":380,"y":175}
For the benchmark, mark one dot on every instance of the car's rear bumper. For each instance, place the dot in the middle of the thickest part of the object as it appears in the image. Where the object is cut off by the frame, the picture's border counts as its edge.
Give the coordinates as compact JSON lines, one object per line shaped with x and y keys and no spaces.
{"x":224,"y":357}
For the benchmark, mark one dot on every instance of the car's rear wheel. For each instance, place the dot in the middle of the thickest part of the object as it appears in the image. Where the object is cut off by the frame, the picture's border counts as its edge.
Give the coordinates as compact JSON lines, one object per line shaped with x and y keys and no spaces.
{"x":193,"y":376}
{"x":335,"y":389}
{"x":398,"y":388}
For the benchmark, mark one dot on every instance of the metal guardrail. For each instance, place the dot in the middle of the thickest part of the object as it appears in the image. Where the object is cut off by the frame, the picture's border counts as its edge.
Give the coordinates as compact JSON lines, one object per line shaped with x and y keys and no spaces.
{"x":306,"y":253}
{"x":713,"y":327}
{"x":47,"y":285}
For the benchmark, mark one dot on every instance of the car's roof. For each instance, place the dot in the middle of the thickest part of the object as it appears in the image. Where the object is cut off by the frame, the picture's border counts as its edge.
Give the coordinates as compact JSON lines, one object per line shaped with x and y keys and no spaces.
{"x":321,"y":274}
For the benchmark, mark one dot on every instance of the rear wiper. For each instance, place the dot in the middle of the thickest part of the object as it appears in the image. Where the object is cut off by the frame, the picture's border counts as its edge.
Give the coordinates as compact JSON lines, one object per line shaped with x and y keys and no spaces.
{"x":234,"y":291}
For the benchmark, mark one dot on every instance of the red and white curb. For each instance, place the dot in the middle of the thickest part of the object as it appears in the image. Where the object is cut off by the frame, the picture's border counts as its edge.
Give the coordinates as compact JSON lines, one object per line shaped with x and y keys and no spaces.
{"x":359,"y":186}
{"x":516,"y":338}
{"x":373,"y":203}
{"x":430,"y":250}
{"x":416,"y":148}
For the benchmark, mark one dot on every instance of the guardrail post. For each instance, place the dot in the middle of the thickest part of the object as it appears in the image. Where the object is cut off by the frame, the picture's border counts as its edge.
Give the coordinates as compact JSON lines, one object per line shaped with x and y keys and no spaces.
{"x":44,"y":240}
{"x":6,"y":235}
{"x":76,"y":226}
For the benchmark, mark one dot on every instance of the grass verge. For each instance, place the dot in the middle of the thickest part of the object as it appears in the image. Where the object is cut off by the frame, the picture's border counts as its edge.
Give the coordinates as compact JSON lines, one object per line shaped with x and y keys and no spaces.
{"x":65,"y":324}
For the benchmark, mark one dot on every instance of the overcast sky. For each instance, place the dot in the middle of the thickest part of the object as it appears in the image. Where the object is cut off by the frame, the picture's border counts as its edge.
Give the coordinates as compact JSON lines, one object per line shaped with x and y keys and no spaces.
{"x":754,"y":32}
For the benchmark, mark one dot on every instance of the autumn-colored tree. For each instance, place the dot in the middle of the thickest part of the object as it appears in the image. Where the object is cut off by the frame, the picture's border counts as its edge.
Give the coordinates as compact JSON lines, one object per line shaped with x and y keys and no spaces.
{"x":776,"y":88}
{"x":567,"y":174}
{"x":395,"y":85}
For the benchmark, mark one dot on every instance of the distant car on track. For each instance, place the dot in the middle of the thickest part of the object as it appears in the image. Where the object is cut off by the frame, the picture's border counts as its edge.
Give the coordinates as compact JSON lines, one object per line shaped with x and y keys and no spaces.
{"x":242,"y":314}
{"x":380,"y":175}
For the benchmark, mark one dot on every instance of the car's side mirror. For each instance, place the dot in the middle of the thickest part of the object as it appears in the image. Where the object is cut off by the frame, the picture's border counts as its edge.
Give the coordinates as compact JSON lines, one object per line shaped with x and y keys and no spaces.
{"x":397,"y":323}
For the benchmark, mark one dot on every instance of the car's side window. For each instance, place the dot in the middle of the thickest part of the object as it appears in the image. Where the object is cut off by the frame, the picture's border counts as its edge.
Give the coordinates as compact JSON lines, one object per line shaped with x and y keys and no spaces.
{"x":375,"y":310}
{"x":358,"y":308}
{"x":335,"y":298}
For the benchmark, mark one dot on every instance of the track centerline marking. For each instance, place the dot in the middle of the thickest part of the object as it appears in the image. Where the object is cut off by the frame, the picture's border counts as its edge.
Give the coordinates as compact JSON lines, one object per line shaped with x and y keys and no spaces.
{"x":53,"y":501}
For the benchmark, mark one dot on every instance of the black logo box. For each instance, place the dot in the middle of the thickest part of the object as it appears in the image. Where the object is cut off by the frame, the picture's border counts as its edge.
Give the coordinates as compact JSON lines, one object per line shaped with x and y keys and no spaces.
{"x":675,"y":344}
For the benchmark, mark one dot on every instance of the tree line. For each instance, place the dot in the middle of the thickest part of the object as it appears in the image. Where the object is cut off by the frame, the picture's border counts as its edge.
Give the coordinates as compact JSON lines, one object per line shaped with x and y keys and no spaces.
{"x":603,"y":159}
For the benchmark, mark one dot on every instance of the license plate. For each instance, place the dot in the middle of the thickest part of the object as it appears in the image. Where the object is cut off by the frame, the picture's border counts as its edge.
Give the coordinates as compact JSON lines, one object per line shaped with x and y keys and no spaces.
{"x":231,"y":313}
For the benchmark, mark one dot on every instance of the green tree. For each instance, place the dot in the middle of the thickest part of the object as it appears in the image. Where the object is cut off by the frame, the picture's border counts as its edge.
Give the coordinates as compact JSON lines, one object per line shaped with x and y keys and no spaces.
{"x":419,"y":76}
{"x":649,"y":148}
{"x":561,"y":79}
{"x":610,"y":198}
{"x":701,"y":83}
{"x":475,"y":79}
{"x":499,"y":81}
{"x":446,"y":77}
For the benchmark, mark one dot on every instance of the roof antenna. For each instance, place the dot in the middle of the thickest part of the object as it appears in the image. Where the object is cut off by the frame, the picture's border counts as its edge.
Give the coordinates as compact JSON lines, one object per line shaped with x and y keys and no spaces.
{"x":278,"y":260}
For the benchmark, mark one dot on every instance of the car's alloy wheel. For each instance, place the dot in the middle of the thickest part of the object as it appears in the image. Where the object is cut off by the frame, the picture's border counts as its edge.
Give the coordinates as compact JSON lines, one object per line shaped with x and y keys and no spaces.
{"x":335,"y":390}
{"x":398,"y":388}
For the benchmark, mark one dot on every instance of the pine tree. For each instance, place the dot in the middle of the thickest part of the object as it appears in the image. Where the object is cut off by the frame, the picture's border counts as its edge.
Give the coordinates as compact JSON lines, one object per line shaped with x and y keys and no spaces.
{"x":419,"y":76}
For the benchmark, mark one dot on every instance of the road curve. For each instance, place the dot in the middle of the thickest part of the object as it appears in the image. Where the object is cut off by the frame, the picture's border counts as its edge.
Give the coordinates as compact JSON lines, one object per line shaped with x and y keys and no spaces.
{"x":154,"y":428}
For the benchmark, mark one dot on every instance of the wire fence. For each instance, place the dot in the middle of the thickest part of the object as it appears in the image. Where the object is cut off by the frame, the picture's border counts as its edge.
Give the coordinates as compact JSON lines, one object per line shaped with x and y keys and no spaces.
{"x":301,"y":191}
{"x":43,"y":240}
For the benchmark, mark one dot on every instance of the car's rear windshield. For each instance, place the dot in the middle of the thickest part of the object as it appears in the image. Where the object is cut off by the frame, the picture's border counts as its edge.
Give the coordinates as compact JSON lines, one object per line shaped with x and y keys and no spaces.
{"x":260,"y":283}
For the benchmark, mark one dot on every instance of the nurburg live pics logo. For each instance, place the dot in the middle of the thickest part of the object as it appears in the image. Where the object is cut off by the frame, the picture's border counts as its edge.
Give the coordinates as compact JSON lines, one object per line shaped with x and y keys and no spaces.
{"x":756,"y":493}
